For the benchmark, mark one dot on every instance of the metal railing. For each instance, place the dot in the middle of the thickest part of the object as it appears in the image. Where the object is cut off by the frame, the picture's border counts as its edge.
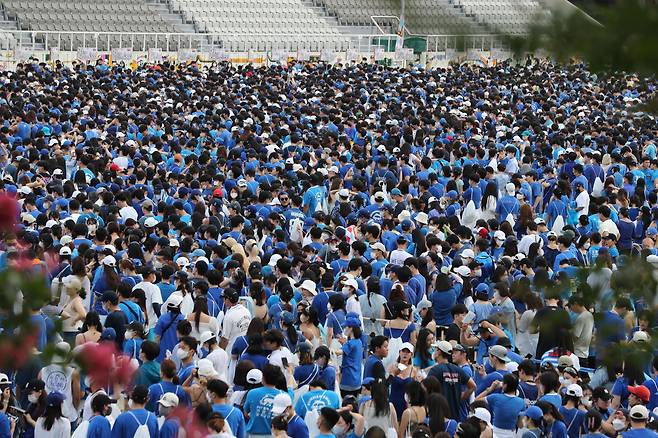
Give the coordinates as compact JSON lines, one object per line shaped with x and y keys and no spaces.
{"x":171,"y":42}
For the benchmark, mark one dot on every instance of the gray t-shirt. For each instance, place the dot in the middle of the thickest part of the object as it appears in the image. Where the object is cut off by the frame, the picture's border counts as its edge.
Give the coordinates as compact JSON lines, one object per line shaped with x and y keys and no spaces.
{"x":582,"y":334}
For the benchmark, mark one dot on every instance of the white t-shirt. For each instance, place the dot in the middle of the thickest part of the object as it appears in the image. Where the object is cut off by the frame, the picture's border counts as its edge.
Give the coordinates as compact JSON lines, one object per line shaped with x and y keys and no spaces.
{"x":527,"y":240}
{"x":610,"y":227}
{"x":235,"y":323}
{"x":219,"y":359}
{"x":153,"y":295}
{"x":352,"y":305}
{"x":398,"y":257}
{"x":128,"y":213}
{"x":582,"y":200}
{"x":61,"y":429}
{"x":186,"y":307}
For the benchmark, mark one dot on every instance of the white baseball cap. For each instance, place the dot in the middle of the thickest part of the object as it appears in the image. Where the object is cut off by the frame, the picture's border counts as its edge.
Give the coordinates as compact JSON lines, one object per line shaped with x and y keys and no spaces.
{"x":65,"y":251}
{"x":407,"y":346}
{"x":174,"y":300}
{"x":275,"y":258}
{"x":169,"y":400}
{"x":206,"y":336}
{"x":483,"y":415}
{"x":109,"y":261}
{"x":468,"y":254}
{"x":151,"y":222}
{"x":280,"y":403}
{"x":575,"y":390}
{"x":351,"y":282}
{"x":206,"y":368}
{"x":254,"y":376}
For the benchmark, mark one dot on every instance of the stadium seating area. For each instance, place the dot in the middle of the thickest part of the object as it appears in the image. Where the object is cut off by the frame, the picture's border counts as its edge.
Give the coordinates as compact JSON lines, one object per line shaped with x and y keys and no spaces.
{"x":510,"y":16}
{"x":267,"y":23}
{"x":87,"y":15}
{"x":422,"y":16}
{"x":258,"y":24}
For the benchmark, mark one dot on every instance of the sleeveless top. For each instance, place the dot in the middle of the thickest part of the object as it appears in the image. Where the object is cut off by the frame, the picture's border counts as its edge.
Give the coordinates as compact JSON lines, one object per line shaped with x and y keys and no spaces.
{"x":58,"y":378}
{"x":373,"y":420}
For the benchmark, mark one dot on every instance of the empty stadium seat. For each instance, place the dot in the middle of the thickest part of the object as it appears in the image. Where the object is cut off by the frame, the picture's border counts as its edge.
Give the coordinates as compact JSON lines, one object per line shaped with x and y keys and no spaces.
{"x":268,"y":24}
{"x":87,"y":16}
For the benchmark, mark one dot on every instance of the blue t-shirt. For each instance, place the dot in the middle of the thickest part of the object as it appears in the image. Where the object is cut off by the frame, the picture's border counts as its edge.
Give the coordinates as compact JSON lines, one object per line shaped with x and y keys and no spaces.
{"x":620,"y":388}
{"x":5,"y":426}
{"x":558,"y":430}
{"x":575,"y":421}
{"x":166,"y":329}
{"x":528,"y":391}
{"x":157,"y":390}
{"x":639,"y":433}
{"x":313,"y":199}
{"x":442,"y":304}
{"x":234,"y":417}
{"x":350,"y":377}
{"x":486,"y":381}
{"x":170,"y":428}
{"x":259,"y":406}
{"x":99,"y":427}
{"x":127,"y":423}
{"x":554,"y":399}
{"x":297,"y":428}
{"x":316,"y":400}
{"x":505,"y":410}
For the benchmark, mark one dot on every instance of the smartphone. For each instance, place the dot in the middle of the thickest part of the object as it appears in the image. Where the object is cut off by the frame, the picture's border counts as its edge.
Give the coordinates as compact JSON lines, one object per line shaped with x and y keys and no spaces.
{"x":284,"y":361}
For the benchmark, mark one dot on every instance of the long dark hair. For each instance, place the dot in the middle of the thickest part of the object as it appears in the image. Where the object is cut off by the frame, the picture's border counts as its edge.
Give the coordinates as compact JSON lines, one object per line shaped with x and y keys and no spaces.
{"x":51,"y":415}
{"x":111,"y":277}
{"x":421,"y":347}
{"x":379,"y":394}
{"x":92,"y":320}
{"x":200,"y":306}
{"x":291,"y":332}
{"x":437,"y":409}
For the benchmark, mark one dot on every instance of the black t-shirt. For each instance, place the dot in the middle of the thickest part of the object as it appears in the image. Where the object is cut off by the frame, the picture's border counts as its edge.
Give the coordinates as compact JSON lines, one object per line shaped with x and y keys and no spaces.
{"x":554,"y":329}
{"x":451,"y":377}
{"x":118,"y":321}
{"x":453,"y":333}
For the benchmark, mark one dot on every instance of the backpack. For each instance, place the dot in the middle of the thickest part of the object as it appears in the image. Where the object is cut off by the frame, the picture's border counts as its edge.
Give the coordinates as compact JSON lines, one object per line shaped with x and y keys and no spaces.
{"x":81,"y":430}
{"x":558,"y":225}
{"x":597,"y":187}
{"x":394,"y":345}
{"x":470,"y":214}
{"x":311,"y":419}
{"x":143,"y":429}
{"x":296,"y":230}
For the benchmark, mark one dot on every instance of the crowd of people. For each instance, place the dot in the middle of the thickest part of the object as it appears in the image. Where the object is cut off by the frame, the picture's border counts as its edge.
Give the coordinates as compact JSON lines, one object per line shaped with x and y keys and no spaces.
{"x":330,"y":251}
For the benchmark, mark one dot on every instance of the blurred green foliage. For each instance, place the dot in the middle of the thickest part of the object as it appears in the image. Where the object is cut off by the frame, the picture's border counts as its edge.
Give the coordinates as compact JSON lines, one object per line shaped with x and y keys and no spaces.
{"x":625,"y":40}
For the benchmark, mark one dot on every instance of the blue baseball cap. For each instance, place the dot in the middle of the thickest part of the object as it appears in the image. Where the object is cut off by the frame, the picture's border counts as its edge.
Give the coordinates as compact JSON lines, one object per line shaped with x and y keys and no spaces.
{"x":534,"y":413}
{"x":396,"y":192}
{"x":352,"y":322}
{"x":452,"y":194}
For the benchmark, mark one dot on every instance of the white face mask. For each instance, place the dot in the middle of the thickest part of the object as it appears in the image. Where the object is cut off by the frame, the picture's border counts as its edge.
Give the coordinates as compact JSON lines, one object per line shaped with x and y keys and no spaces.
{"x":587,"y":245}
{"x":337,"y":430}
{"x":477,"y":273}
{"x":129,"y":334}
{"x":618,"y":424}
{"x":586,"y":402}
{"x":345,"y":290}
{"x":33,"y":398}
{"x":182,"y":354}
